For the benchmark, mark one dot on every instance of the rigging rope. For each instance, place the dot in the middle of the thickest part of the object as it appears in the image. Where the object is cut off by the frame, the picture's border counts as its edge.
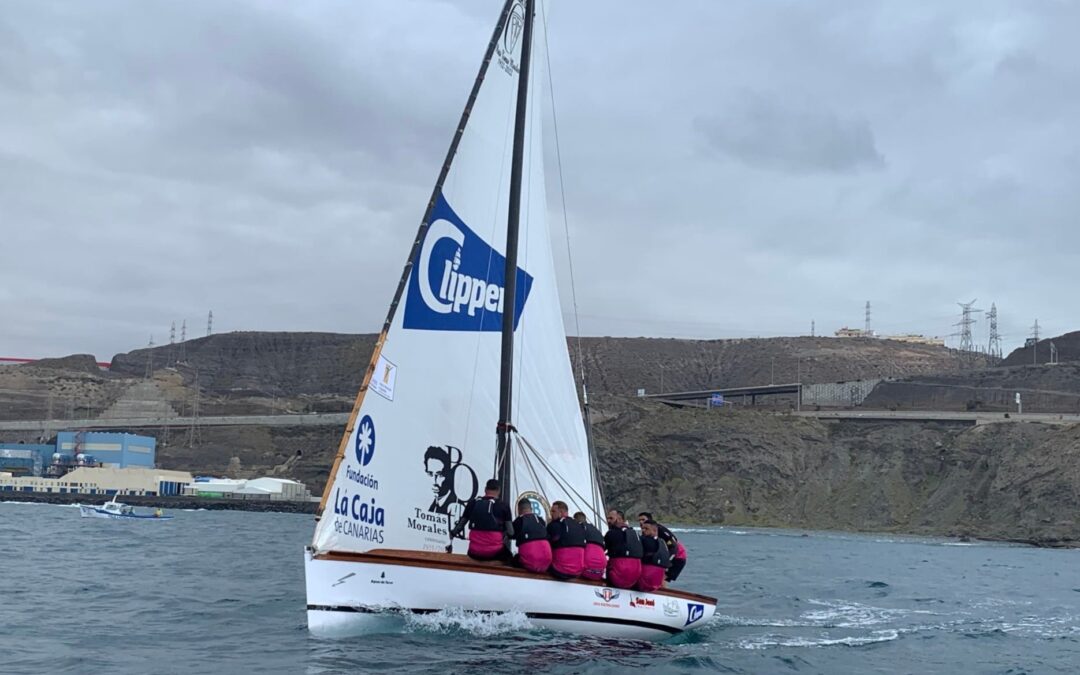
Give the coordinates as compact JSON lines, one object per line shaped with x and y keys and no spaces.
{"x":592,"y":506}
{"x":598,"y":497}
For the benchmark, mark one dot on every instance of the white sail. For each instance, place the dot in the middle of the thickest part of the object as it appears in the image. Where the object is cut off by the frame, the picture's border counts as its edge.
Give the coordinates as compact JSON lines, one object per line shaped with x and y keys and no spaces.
{"x":424,"y":433}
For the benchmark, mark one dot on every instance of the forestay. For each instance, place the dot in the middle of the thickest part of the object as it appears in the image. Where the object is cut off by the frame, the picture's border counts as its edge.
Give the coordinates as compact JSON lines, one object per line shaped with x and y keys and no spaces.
{"x":422,"y":440}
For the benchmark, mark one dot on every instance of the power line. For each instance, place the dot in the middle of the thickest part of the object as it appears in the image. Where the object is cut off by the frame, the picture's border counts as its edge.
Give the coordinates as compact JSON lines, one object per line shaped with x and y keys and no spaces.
{"x":993,"y":349}
{"x":1035,"y":343}
{"x":967,"y":345}
{"x":150,"y":359}
{"x":183,"y":339}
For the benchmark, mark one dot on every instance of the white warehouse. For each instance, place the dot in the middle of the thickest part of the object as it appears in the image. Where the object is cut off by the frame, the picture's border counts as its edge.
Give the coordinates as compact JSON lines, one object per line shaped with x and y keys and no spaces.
{"x":275,"y":489}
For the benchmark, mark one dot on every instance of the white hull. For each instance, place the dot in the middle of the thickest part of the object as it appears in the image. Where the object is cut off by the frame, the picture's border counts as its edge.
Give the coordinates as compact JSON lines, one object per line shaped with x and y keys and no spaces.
{"x":95,"y":512}
{"x":354,"y":596}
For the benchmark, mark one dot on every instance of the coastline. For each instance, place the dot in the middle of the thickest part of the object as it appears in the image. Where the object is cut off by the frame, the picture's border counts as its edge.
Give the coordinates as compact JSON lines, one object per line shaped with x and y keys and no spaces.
{"x":261,"y":505}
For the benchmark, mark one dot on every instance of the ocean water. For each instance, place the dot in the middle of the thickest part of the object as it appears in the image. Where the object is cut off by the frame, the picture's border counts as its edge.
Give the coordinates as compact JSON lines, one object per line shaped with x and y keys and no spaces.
{"x":222,"y":592}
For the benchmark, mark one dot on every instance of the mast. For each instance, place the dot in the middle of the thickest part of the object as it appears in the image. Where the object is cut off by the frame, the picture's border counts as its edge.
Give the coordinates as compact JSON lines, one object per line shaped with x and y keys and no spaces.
{"x":506,"y":375}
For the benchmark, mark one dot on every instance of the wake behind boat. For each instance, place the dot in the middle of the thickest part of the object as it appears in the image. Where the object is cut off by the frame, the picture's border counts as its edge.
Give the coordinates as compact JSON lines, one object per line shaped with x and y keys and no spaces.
{"x":473,"y":343}
{"x":115,"y":510}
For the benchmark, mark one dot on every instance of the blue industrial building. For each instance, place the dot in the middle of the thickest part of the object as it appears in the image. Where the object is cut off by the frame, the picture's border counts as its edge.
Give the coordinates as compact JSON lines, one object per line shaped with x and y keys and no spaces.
{"x":25,"y":459}
{"x":108,"y":448}
{"x":73,"y":449}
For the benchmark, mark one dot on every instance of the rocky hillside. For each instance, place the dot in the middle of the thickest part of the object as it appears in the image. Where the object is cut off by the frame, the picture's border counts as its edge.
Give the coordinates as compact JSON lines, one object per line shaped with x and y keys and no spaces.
{"x":1045,"y":388}
{"x":261,"y":364}
{"x":622,"y":365}
{"x":739,"y":467}
{"x":1068,"y":349}
{"x":293,"y":364}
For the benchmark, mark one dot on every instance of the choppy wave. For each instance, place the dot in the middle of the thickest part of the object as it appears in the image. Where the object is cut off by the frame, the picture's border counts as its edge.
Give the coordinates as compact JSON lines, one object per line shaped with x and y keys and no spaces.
{"x":455,"y":619}
{"x":848,"y":614}
{"x":769,"y":641}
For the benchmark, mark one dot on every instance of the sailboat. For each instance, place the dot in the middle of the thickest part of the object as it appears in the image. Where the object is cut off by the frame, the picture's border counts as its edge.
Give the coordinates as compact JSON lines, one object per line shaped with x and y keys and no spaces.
{"x":473,"y":343}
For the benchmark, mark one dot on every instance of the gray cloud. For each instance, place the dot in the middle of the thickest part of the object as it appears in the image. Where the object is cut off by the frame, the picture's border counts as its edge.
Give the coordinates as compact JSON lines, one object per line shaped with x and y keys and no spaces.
{"x":766,"y":132}
{"x":732,"y":169}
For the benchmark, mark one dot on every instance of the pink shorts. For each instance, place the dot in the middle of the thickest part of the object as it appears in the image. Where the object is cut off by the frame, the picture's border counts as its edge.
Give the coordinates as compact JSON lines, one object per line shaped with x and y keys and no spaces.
{"x":680,"y":551}
{"x":535,"y":556}
{"x":569,"y":560}
{"x":595,"y":562}
{"x":623,"y":572}
{"x":485,"y":544}
{"x":652,"y":578}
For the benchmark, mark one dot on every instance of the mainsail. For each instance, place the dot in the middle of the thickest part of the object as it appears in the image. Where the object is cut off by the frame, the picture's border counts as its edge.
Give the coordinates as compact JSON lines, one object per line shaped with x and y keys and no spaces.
{"x":421,"y":439}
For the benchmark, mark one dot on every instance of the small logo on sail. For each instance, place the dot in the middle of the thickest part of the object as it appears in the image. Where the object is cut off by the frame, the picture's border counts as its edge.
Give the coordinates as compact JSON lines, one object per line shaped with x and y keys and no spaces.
{"x":458,"y":280}
{"x":504,"y":49}
{"x":365,"y":440}
{"x":514,"y":25}
{"x":540,"y":505}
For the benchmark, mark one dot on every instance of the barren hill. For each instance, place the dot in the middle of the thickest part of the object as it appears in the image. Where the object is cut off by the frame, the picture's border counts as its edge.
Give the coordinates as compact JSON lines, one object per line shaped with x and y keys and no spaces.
{"x":294,"y":364}
{"x":623,"y":365}
{"x":1068,"y":349}
{"x":1044,"y":388}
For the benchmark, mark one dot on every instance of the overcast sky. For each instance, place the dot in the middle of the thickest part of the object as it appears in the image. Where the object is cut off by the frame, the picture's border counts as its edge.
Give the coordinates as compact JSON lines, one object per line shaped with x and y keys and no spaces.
{"x":733,"y":168}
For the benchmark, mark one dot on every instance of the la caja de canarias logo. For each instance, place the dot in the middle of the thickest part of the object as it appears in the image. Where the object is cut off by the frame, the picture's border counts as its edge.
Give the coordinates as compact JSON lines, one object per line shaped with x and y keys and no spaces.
{"x":458,"y":282}
{"x":356,"y":507}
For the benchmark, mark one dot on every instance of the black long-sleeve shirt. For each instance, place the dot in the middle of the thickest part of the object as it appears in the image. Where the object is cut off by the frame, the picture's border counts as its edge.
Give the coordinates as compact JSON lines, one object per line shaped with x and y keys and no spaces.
{"x":654,"y":552}
{"x":566,"y":532}
{"x":622,"y":542}
{"x":486,"y":514}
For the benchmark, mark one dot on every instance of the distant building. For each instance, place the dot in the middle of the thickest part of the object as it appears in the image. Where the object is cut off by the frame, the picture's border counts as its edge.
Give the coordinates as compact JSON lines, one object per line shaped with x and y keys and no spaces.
{"x":917,"y":339}
{"x":846,"y":332}
{"x":102,"y":481}
{"x":109,"y":449}
{"x":25,"y":459}
{"x":275,"y":489}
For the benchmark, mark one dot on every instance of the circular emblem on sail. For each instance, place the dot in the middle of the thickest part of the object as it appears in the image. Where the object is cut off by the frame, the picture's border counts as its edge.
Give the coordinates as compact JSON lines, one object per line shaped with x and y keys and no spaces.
{"x":515,"y":22}
{"x":540,"y":506}
{"x":365,"y":440}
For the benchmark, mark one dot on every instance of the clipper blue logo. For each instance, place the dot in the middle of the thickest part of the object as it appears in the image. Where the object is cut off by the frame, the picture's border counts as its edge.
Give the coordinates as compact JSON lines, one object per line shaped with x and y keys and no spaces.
{"x":694,"y":612}
{"x":365,"y":440}
{"x":458,"y":281}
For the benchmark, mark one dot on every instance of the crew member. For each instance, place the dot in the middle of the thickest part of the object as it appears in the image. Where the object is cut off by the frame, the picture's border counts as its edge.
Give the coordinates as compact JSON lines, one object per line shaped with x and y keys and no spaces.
{"x":531,"y":537}
{"x":623,"y":550}
{"x":595,"y":560}
{"x":655,"y":559}
{"x":488,"y":518}
{"x":567,"y":543}
{"x":675,"y":547}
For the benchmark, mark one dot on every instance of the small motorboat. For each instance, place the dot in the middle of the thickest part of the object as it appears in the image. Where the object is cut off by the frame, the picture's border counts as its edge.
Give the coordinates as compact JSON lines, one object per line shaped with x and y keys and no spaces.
{"x":114,"y":509}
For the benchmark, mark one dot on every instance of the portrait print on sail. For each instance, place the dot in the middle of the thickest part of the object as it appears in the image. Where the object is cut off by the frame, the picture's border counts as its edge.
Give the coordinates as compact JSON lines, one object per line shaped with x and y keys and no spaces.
{"x":454,"y":483}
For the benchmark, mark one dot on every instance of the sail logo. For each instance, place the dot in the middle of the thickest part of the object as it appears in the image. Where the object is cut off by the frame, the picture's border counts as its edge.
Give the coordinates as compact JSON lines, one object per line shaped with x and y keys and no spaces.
{"x":458,"y":281}
{"x":515,"y":23}
{"x":360,"y":518}
{"x":504,"y":49}
{"x":365,"y":440}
